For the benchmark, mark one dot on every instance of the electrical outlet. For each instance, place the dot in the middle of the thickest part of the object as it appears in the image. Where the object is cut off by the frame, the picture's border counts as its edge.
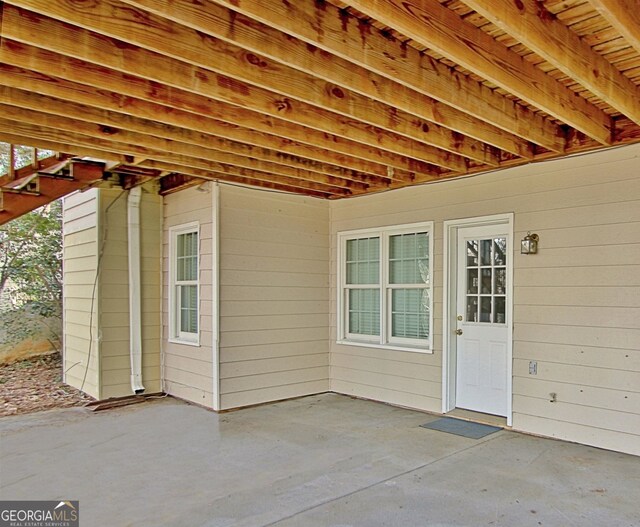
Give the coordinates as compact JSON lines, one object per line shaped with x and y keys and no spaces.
{"x":533,"y":367}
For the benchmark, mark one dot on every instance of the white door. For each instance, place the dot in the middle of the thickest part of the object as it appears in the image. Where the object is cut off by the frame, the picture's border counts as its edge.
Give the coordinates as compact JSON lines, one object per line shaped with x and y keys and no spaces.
{"x":481,"y":324}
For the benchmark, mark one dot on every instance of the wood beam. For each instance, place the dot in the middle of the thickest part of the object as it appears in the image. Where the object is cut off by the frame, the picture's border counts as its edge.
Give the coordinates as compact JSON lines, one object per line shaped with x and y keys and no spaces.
{"x":36,"y":29}
{"x":536,"y":28}
{"x":83,"y":72}
{"x":168,"y":146}
{"x":47,"y":165}
{"x":75,"y":140}
{"x":11,"y":135}
{"x":268,"y":44}
{"x":328,"y":29}
{"x":11,"y":169}
{"x":175,"y":182}
{"x":245,"y":181}
{"x":116,"y":20}
{"x":436,"y":27}
{"x":49,"y":189}
{"x":624,"y":16}
{"x":244,"y":140}
{"x":103,"y":123}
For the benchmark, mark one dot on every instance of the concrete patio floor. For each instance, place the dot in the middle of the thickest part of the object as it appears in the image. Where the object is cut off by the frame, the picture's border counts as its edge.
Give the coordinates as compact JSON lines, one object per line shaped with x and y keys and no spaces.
{"x":317,"y":461}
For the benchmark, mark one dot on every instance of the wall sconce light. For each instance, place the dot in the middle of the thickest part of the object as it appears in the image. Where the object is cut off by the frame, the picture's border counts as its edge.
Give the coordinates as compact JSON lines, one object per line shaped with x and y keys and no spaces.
{"x":529,"y":244}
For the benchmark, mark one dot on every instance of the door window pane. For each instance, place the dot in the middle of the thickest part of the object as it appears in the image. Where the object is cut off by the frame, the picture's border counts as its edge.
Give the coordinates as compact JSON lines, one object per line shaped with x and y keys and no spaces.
{"x":486,"y":276}
{"x":500,"y":251}
{"x":485,"y":309}
{"x":499,"y":310}
{"x":472,"y":281}
{"x":486,"y":282}
{"x":472,"y":309}
{"x":485,"y":252}
{"x":472,"y":253}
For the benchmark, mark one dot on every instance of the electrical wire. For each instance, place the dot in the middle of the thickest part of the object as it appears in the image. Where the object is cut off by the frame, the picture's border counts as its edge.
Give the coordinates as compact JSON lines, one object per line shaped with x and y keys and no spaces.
{"x":95,"y":282}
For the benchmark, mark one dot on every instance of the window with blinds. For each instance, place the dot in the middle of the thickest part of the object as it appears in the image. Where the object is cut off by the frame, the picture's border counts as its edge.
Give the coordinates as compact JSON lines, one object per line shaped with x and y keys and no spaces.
{"x":386,"y":287}
{"x":184,"y":302}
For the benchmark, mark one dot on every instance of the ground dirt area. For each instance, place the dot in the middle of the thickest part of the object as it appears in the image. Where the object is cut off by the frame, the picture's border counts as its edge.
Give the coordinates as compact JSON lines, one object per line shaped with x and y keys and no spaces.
{"x":36,"y":384}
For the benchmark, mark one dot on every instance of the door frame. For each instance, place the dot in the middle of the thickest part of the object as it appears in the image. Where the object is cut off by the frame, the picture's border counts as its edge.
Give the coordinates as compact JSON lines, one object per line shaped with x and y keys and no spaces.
{"x":449,"y":300}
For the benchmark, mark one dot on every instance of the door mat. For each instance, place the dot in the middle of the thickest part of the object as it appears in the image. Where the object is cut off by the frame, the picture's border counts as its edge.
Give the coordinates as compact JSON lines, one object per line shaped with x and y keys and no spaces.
{"x":461,"y":428}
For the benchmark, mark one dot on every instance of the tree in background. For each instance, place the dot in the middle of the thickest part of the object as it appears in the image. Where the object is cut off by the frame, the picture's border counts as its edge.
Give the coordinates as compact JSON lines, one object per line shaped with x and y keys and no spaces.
{"x":30,"y":266}
{"x":31,"y":275}
{"x":22,"y":155}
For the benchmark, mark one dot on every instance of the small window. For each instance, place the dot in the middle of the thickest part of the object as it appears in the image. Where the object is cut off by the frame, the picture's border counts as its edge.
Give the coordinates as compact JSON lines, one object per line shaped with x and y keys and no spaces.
{"x":385,"y":282}
{"x":184,"y":294}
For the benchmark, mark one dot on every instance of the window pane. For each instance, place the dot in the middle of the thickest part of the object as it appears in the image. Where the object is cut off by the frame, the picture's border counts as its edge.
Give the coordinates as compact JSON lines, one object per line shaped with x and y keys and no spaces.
{"x":486,"y":282}
{"x":187,"y":256}
{"x":410,"y":313}
{"x":363,"y":261}
{"x":500,"y":251}
{"x":501,"y":281}
{"x":499,"y":309}
{"x":364,"y":311}
{"x":472,"y":253}
{"x":485,"y":252}
{"x":472,"y":309}
{"x":409,"y":258}
{"x":485,"y":309}
{"x":188,"y":308}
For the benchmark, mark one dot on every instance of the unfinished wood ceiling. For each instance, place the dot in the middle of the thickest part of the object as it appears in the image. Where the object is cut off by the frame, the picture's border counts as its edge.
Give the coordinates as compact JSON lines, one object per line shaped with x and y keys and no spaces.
{"x":328,"y":99}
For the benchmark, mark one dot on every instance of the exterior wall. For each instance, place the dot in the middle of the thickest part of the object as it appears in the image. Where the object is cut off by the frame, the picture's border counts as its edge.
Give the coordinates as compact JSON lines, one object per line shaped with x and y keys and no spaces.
{"x":95,"y":222}
{"x":114,"y":293}
{"x":576,"y":303}
{"x":274,"y":296}
{"x":80,"y":323}
{"x":188,"y":370}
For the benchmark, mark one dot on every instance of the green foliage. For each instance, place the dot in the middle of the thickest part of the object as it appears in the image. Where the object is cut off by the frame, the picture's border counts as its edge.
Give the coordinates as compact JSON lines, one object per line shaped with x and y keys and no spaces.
{"x":31,"y":273}
{"x":23,"y":156}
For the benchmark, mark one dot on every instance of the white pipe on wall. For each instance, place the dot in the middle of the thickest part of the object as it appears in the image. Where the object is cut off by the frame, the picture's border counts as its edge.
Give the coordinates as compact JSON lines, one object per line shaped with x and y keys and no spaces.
{"x":135,"y":295}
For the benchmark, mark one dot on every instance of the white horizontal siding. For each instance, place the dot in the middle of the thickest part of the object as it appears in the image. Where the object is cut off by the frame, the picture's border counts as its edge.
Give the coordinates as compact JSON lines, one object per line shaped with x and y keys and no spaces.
{"x":274,"y":292}
{"x":114,"y":293}
{"x":97,"y":220}
{"x":79,"y":211}
{"x":576,"y":303}
{"x":80,"y":314}
{"x":188,"y":370}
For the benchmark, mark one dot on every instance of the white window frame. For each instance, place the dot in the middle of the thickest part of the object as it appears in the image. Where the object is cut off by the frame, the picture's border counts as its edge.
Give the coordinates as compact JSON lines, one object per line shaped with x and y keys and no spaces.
{"x":175,"y":335}
{"x":384,"y":340}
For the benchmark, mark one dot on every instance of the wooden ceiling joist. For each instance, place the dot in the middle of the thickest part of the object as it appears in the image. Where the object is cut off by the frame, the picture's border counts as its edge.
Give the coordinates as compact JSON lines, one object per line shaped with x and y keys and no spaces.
{"x":214,"y":130}
{"x":624,"y":16}
{"x":540,"y":31}
{"x":249,"y":181}
{"x":53,"y":133}
{"x":266,"y":44}
{"x":9,"y":135}
{"x":162,"y":146}
{"x":111,"y":125}
{"x":438,"y":28}
{"x":331,"y":29}
{"x":38,"y":30}
{"x":44,"y":61}
{"x":324,"y":98}
{"x":114,"y":19}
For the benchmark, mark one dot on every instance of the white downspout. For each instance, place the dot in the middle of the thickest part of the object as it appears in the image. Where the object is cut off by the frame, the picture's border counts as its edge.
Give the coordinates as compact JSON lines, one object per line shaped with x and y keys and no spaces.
{"x":135,"y":296}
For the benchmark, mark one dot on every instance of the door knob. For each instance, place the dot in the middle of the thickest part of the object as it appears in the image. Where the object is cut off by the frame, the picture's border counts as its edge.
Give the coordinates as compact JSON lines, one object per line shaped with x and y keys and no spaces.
{"x":458,"y":332}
